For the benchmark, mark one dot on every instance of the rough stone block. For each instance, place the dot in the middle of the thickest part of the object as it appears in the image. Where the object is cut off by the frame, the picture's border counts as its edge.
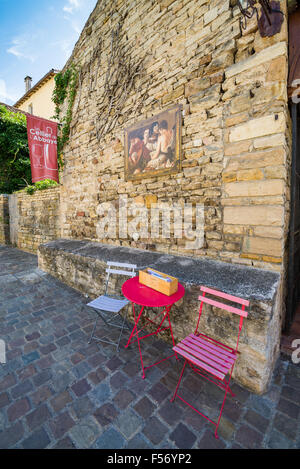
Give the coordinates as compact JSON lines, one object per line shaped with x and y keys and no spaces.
{"x":267,"y":125}
{"x":260,"y":215}
{"x":262,"y":57}
{"x":270,"y":246}
{"x":244,"y":188}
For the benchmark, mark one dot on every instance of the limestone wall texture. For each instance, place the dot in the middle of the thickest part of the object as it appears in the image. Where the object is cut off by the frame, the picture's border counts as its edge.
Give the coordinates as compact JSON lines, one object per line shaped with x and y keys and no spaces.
{"x":235,"y":134}
{"x":4,"y":219}
{"x":37,"y":218}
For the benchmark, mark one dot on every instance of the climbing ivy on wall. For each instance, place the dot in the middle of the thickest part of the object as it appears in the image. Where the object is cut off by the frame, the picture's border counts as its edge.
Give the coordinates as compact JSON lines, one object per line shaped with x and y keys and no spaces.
{"x":65,"y":89}
{"x":15,"y":171}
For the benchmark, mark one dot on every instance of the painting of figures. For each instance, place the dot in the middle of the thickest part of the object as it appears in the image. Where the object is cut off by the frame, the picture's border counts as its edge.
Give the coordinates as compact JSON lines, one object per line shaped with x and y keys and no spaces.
{"x":153,"y":146}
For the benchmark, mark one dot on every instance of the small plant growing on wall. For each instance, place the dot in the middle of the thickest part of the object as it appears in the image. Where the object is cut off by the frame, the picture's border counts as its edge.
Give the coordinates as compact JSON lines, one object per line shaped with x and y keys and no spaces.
{"x":40,"y":186}
{"x":65,"y":88}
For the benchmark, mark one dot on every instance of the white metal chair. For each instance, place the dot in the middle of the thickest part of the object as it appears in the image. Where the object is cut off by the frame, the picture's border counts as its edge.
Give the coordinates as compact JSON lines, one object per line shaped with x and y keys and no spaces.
{"x":108,"y":307}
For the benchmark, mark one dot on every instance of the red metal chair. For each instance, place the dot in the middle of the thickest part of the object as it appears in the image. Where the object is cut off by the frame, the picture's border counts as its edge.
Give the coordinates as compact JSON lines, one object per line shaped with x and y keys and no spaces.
{"x":206,"y":356}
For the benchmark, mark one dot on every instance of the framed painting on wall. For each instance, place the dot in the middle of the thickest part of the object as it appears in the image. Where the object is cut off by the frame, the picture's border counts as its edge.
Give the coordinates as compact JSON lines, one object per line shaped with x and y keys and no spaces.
{"x":153,"y":146}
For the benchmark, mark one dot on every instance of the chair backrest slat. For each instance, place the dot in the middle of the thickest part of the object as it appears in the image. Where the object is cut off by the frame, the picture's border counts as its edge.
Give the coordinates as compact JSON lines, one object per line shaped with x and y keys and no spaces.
{"x":231,"y":309}
{"x":113,"y":269}
{"x":119,"y":264}
{"x":228,"y":308}
{"x":121,"y":272}
{"x":235,"y":299}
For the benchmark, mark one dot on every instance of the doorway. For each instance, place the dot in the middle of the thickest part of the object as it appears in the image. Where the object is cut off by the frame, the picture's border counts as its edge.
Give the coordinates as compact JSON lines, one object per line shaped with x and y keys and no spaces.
{"x":293,"y":294}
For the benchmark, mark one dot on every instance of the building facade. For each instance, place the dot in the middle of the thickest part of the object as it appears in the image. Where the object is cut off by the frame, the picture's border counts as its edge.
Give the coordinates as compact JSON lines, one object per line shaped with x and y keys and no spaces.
{"x":37,"y":99}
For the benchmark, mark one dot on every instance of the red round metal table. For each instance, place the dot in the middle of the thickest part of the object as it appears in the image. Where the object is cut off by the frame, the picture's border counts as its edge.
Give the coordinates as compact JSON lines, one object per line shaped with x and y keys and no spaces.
{"x":144,"y":296}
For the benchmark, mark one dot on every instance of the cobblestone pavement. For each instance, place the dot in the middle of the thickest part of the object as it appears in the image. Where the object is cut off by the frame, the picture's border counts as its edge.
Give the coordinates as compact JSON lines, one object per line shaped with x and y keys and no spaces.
{"x":57,"y":391}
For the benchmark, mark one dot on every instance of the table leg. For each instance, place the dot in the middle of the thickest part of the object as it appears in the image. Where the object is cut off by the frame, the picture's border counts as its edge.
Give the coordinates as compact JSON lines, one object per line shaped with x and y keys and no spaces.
{"x":168,"y":311}
{"x":135,"y":333}
{"x":135,"y":324}
{"x":142,"y":363}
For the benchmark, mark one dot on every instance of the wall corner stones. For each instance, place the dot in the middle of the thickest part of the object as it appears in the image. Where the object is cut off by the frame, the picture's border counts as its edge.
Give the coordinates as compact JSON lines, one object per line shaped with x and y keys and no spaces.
{"x":4,"y":219}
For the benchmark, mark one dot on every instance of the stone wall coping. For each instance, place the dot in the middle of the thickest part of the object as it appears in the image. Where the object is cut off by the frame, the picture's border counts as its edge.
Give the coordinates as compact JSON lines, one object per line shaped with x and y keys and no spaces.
{"x":246,"y":282}
{"x":37,"y":193}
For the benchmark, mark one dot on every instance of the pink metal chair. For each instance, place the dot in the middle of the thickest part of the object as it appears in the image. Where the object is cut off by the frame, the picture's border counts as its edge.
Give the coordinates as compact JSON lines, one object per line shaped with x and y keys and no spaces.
{"x":206,"y":356}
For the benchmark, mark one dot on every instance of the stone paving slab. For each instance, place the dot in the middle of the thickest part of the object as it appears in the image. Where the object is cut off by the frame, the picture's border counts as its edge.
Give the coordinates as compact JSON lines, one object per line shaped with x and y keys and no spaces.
{"x":58,"y":391}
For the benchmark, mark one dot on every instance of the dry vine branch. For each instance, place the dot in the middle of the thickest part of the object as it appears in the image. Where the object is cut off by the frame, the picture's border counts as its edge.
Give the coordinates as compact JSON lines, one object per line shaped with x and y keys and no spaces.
{"x":120,"y":79}
{"x":86,"y":71}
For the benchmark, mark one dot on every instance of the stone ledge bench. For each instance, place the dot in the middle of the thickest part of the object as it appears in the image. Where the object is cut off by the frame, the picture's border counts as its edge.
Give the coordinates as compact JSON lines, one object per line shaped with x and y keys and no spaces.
{"x":81,"y":265}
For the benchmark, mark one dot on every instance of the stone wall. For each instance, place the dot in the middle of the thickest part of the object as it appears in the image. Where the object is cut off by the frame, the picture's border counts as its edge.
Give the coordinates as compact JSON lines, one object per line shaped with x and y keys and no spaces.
{"x":39,"y":218}
{"x":4,"y":219}
{"x":34,"y":219}
{"x":235,"y":137}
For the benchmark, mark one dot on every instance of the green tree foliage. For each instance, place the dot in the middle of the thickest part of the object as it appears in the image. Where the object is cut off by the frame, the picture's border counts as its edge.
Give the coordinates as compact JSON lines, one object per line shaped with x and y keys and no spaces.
{"x":15,"y":171}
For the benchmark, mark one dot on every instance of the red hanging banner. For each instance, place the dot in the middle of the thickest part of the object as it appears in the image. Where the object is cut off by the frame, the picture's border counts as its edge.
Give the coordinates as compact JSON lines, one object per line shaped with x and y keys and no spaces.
{"x":42,"y":142}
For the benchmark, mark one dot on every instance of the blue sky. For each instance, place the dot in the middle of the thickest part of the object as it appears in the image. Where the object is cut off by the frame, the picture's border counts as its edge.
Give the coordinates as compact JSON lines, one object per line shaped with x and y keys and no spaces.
{"x":35,"y":36}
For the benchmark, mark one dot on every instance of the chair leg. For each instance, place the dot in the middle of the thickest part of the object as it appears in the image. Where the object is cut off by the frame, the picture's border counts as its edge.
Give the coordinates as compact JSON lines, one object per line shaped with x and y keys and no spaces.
{"x":226,"y":392}
{"x":94,"y":328}
{"x":124,"y":321}
{"x":102,"y":317}
{"x":123,"y":325}
{"x":221,"y":411}
{"x":136,"y":321}
{"x":179,"y":381}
